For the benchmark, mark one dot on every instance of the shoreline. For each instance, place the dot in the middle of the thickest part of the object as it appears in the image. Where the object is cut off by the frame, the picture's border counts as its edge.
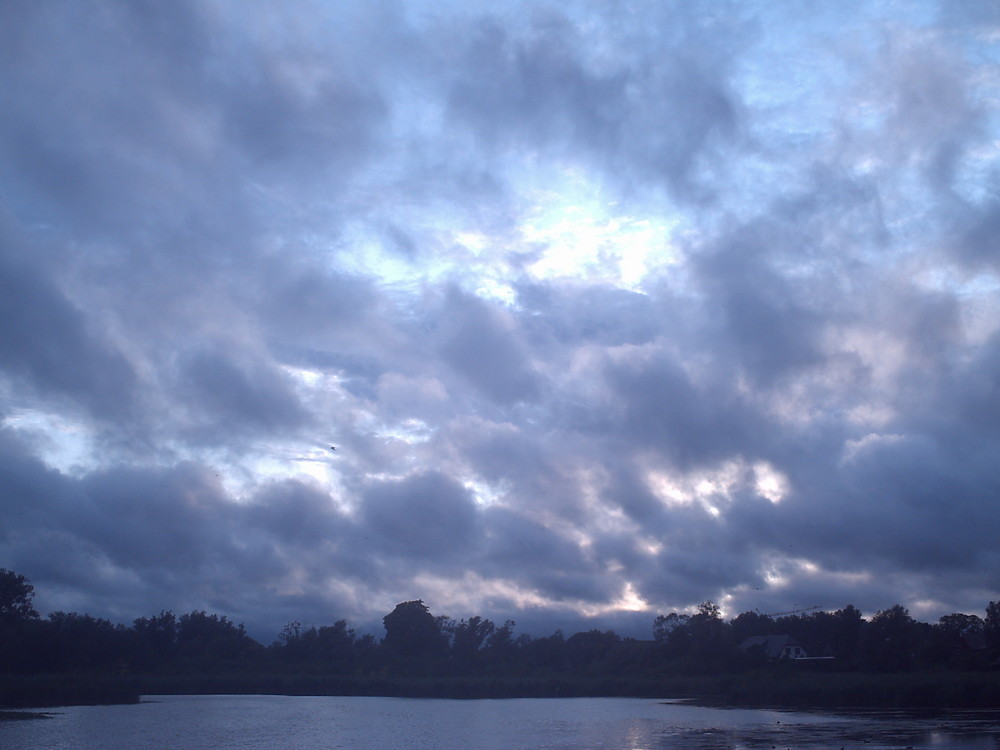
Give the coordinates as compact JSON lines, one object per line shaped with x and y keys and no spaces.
{"x":838,"y":691}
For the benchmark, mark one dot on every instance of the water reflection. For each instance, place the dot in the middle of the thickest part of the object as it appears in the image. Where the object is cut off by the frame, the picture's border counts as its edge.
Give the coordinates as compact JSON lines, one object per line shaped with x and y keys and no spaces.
{"x":871,"y":730}
{"x":310,"y":723}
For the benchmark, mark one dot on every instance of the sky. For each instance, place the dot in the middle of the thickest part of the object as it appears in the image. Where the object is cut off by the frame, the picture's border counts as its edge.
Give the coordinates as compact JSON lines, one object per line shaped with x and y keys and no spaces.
{"x":608,"y":308}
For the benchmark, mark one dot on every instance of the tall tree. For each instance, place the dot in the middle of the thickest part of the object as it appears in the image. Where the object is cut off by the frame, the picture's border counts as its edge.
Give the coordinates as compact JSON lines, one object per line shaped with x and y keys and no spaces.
{"x":468,"y":636}
{"x":16,"y":594}
{"x":890,"y":640}
{"x":75,"y":642}
{"x":586,"y":649}
{"x":411,"y":630}
{"x":664,"y":625}
{"x":204,"y":639}
{"x":155,"y":640}
{"x":991,"y":625}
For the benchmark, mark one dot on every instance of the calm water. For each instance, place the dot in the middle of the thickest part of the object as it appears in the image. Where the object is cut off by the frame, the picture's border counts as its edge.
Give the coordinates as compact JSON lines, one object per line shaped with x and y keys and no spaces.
{"x":221,"y":722}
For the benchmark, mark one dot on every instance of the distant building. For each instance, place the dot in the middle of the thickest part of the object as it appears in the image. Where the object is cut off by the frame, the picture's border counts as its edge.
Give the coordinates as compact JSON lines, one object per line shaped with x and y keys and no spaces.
{"x":776,"y":646}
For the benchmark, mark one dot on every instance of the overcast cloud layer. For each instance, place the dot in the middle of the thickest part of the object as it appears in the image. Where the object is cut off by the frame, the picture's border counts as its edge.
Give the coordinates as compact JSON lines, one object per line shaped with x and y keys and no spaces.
{"x":608,"y":308}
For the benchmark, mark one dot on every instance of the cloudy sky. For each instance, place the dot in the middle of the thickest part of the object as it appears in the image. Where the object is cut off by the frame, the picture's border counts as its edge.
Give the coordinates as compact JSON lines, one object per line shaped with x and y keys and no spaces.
{"x":609,"y":308}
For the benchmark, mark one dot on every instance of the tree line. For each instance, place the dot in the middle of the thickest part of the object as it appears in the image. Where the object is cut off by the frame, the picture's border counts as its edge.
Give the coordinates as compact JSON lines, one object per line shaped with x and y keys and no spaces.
{"x":419,"y":645}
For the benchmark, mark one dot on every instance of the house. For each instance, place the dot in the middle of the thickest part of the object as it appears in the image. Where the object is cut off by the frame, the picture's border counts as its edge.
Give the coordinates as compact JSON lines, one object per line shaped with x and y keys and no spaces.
{"x":974,"y":640}
{"x":776,"y":646}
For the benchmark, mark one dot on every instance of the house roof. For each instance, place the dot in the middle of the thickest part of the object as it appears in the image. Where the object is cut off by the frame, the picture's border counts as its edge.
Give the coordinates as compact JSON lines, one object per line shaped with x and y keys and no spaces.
{"x":975,"y":640}
{"x":773,"y":645}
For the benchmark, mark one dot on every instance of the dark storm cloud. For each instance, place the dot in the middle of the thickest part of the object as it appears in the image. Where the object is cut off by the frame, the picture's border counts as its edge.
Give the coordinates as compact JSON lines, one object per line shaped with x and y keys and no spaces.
{"x":537,"y":474}
{"x":659,"y":118}
{"x":967,"y":402}
{"x":296,"y":514}
{"x":928,"y":108}
{"x":252,"y":396}
{"x":977,"y":232}
{"x":485,"y":349}
{"x":48,"y":344}
{"x":770,"y":331}
{"x":560,"y":569}
{"x":139,"y":518}
{"x":596,"y":314}
{"x":126,"y":73}
{"x":32,"y":488}
{"x":140,"y":540}
{"x":536,"y":87}
{"x":940,"y":520}
{"x":113,"y":529}
{"x":665,"y":410}
{"x":313,"y":318}
{"x":427,"y":517}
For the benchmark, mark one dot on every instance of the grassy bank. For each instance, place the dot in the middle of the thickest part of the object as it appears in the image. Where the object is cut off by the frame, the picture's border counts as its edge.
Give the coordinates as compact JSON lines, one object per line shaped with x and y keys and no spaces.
{"x":442,"y":687}
{"x":915,"y":690}
{"x":21,"y":715}
{"x":43,"y":691}
{"x":831,"y":690}
{"x":854,"y":690}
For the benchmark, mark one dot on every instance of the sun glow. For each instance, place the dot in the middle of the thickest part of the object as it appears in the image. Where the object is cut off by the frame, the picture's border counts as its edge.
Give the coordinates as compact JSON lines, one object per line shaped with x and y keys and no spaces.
{"x":630,"y":600}
{"x":711,"y":489}
{"x":715,"y":489}
{"x":769,"y":482}
{"x":578,"y":236}
{"x":63,"y":443}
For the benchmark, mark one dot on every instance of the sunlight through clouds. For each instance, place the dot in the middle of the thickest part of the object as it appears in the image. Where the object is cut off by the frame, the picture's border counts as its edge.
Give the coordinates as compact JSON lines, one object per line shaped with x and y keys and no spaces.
{"x":64,"y":444}
{"x":714,"y":490}
{"x":581,"y":237}
{"x":769,"y":482}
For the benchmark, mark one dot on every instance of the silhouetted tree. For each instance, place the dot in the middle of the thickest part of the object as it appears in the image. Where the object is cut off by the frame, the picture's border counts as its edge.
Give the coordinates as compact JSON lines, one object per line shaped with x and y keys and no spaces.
{"x":155,"y":641}
{"x":330,"y":648}
{"x":991,"y":625}
{"x":21,"y":642}
{"x":292,"y":631}
{"x":548,"y":653}
{"x":16,"y":594}
{"x":468,"y":636}
{"x":664,"y":625}
{"x":835,"y":634}
{"x":845,"y":635}
{"x":890,"y":640}
{"x":710,"y":644}
{"x":697,"y":642}
{"x":81,"y":643}
{"x":500,"y":644}
{"x":365,"y":651}
{"x":335,"y":645}
{"x":205,"y":640}
{"x":417,"y":644}
{"x":586,"y":649}
{"x":412,"y":631}
{"x":948,"y":644}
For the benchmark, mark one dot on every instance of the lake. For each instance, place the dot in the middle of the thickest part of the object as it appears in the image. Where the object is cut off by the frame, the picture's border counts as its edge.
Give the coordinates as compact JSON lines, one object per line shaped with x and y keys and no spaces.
{"x":251,"y":722}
